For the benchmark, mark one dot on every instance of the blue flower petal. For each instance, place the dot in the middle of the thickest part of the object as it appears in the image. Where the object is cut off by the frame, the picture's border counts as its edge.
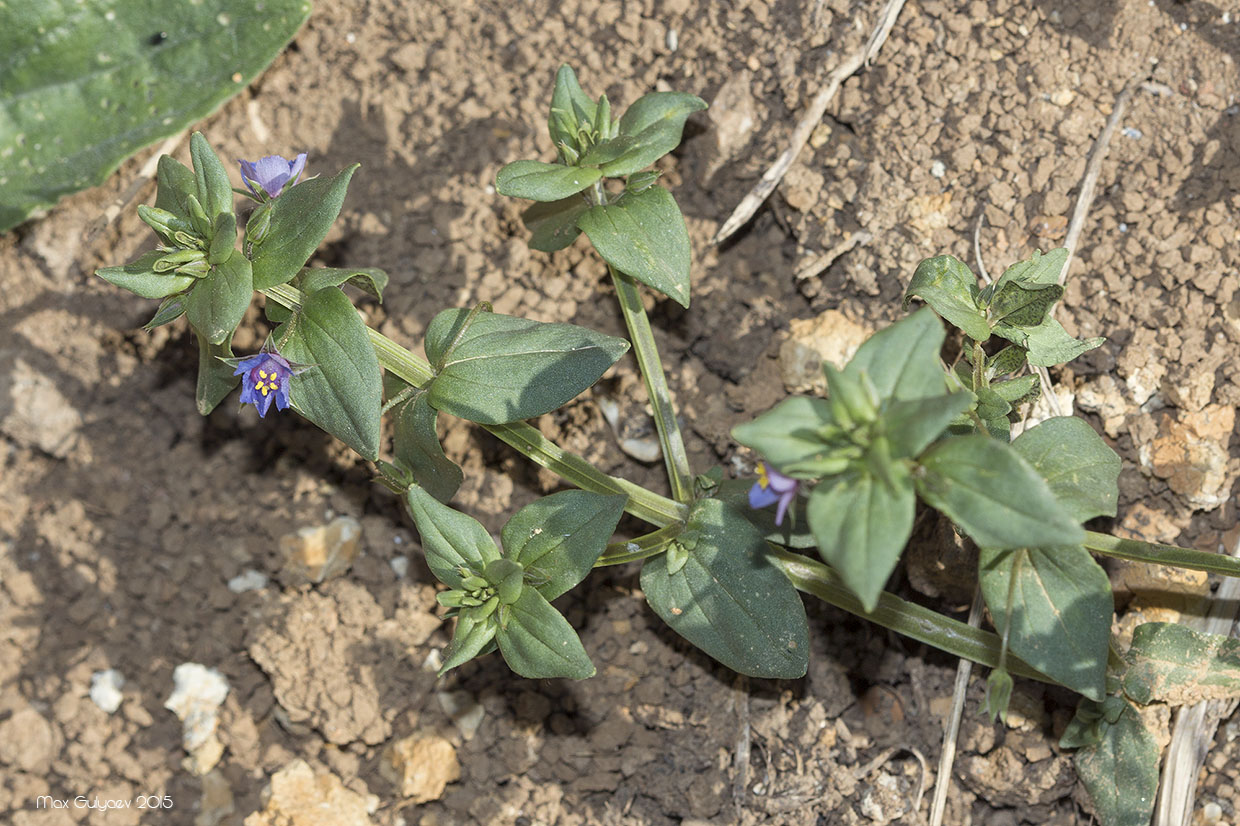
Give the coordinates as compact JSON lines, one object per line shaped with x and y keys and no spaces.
{"x":760,"y":497}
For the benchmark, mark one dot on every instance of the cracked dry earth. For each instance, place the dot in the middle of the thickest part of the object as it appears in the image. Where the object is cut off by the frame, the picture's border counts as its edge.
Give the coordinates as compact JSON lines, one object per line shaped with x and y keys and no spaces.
{"x":136,"y":536}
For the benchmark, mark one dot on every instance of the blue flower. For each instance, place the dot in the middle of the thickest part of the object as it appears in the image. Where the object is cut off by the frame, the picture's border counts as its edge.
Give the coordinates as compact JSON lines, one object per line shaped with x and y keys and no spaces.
{"x":271,"y":174}
{"x":771,"y":487}
{"x":264,"y":379}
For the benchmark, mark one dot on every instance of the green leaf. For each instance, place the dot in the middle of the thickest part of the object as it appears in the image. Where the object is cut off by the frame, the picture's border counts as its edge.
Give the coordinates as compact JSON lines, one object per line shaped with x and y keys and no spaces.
{"x":1049,"y":344}
{"x":415,"y":443}
{"x":469,"y":638}
{"x":607,"y":150}
{"x":1018,"y":390}
{"x":85,"y":85}
{"x":910,"y":426}
{"x":1042,"y":268}
{"x":1080,"y":468}
{"x":212,"y":186}
{"x":215,"y":378}
{"x":576,"y":107}
{"x":789,"y":434}
{"x":223,"y":238}
{"x":902,"y":361}
{"x":369,"y":280}
{"x":1174,"y":664}
{"x":861,"y":525}
{"x":176,"y":184}
{"x":170,"y":309}
{"x":729,"y":600}
{"x":990,"y":405}
{"x":139,"y":278}
{"x":1008,"y":360}
{"x":950,"y":287}
{"x":1058,"y":618}
{"x":643,"y":235}
{"x":1024,"y":305}
{"x":1121,"y":771}
{"x":342,"y":391}
{"x":450,"y":539}
{"x":553,"y":226}
{"x":537,"y":642}
{"x":654,"y":123}
{"x":986,"y":487}
{"x":503,"y":369}
{"x":217,"y":303}
{"x":559,"y":537}
{"x":544,"y":182}
{"x":300,"y":220}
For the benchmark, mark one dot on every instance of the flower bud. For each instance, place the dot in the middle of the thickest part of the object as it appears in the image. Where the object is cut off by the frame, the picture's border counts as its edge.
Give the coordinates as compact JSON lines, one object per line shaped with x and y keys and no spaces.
{"x":257,"y":227}
{"x":198,"y":269}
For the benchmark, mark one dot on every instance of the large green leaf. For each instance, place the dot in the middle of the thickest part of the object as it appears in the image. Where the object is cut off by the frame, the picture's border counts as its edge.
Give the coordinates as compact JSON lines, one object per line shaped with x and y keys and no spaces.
{"x":902,"y":361}
{"x":990,"y":491}
{"x":342,"y":390}
{"x":558,"y":538}
{"x":300,"y":219}
{"x":654,"y":124}
{"x":217,"y":303}
{"x":788,"y":435}
{"x":545,"y":182}
{"x":643,"y":235}
{"x":1055,"y":606}
{"x":728,"y":599}
{"x":537,"y":642}
{"x":215,"y":378}
{"x":494,"y":368}
{"x":85,"y":85}
{"x":1121,"y":771}
{"x":415,"y":443}
{"x":861,"y":525}
{"x":1080,"y":468}
{"x":950,"y":287}
{"x":450,"y":539}
{"x":1172,"y":663}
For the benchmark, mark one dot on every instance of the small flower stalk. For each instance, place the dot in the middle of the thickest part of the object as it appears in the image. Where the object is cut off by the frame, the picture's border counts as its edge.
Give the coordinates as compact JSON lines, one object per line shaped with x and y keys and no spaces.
{"x":267,"y":177}
{"x":773,"y":487}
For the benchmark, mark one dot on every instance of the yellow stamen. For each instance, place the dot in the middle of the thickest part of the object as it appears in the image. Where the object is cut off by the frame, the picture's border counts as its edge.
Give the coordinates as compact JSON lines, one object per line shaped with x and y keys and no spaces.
{"x":261,"y":374}
{"x":263,"y":388}
{"x":763,"y":479}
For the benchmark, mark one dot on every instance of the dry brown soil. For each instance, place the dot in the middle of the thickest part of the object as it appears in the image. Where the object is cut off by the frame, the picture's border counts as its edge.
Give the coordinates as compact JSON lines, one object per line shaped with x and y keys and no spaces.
{"x":123,"y":514}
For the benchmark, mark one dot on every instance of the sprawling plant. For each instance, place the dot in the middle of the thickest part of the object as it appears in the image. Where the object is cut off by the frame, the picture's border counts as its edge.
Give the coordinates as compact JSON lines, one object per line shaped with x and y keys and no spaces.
{"x":841,"y":475}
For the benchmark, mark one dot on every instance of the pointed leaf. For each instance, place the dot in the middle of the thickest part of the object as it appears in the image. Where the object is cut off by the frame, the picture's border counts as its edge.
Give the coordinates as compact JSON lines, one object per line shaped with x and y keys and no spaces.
{"x":654,"y":123}
{"x":1055,"y":605}
{"x":1174,"y":664}
{"x":1041,"y":268}
{"x":910,"y":426}
{"x":450,"y":539}
{"x":1018,"y":390}
{"x":176,"y":183}
{"x":215,"y":378}
{"x":950,"y":287}
{"x":503,"y":369}
{"x":370,"y":280}
{"x":300,"y":220}
{"x":559,"y":538}
{"x":217,"y":303}
{"x":902,"y":360}
{"x":788,"y":435}
{"x":729,"y":600}
{"x":139,"y":278}
{"x":85,"y":85}
{"x":1024,"y":305}
{"x":986,"y":487}
{"x":169,"y":310}
{"x":553,"y":226}
{"x":212,"y":186}
{"x":1121,"y":772}
{"x":1048,"y":344}
{"x":415,"y":443}
{"x":342,"y":391}
{"x":861,"y":526}
{"x":469,"y":638}
{"x":575,"y":106}
{"x":537,"y":642}
{"x":1081,"y":470}
{"x":544,"y":182}
{"x":643,"y":235}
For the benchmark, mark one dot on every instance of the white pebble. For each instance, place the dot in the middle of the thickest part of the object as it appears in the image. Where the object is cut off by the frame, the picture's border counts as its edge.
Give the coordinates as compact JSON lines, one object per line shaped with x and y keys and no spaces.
{"x":938,"y":169}
{"x":1132,"y":132}
{"x":673,"y":40}
{"x":400,"y":566}
{"x":1123,"y":227}
{"x":248,"y":580}
{"x":198,"y":693}
{"x":105,"y":689}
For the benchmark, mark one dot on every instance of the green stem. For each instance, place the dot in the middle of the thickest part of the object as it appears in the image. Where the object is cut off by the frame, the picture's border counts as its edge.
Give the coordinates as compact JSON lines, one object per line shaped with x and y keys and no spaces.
{"x":646,"y":505}
{"x":647,"y":353}
{"x":1162,"y":554}
{"x":643,"y":547}
{"x":907,"y":618}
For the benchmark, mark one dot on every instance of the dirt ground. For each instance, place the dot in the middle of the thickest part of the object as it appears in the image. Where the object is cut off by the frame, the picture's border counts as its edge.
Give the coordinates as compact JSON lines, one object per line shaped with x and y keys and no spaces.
{"x":124,"y":515}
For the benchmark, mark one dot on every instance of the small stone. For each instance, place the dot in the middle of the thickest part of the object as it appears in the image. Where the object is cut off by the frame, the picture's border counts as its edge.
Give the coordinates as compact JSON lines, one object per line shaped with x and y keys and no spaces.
{"x":299,"y":797}
{"x":400,"y":566}
{"x":1190,"y":452}
{"x":105,"y":689}
{"x":938,"y":169}
{"x":316,"y":554}
{"x":1062,"y":97}
{"x":1103,"y":396}
{"x":420,"y":767}
{"x":464,"y":710}
{"x":195,"y":700}
{"x":27,"y":741}
{"x":831,"y":337}
{"x":247,"y":580}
